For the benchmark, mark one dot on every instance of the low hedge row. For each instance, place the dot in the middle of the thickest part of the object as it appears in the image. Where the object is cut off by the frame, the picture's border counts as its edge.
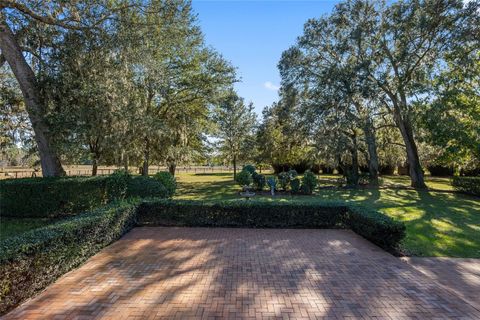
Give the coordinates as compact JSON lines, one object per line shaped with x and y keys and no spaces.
{"x":54,"y":197}
{"x":250,"y":214}
{"x":470,"y":185}
{"x":372,"y":225}
{"x":33,"y":260}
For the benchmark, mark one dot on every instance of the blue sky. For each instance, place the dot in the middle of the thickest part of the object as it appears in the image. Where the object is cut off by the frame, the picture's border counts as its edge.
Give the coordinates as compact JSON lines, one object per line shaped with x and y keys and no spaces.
{"x":252,"y":35}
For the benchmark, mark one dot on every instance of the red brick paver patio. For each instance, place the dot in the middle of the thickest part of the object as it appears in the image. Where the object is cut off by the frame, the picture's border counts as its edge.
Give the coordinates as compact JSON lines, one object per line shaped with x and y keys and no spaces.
{"x":246,"y":273}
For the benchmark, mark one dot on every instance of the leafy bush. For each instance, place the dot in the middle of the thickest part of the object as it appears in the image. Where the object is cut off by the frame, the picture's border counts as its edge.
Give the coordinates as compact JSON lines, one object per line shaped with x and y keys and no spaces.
{"x":244,"y":178}
{"x":283,"y":180}
{"x":249,"y":168}
{"x":33,"y":260}
{"x":469,"y":185}
{"x":168,"y":181}
{"x":437,"y":170}
{"x":373,"y":225}
{"x":145,"y":187}
{"x":259,"y":181}
{"x":295,"y":185}
{"x":292,"y":174}
{"x":117,"y":184}
{"x":240,"y":214}
{"x":309,"y":182}
{"x":64,"y":196}
{"x":52,"y":197}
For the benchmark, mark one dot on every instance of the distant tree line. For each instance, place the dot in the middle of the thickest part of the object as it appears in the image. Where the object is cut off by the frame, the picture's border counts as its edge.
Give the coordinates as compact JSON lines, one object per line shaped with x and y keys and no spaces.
{"x":368,"y":88}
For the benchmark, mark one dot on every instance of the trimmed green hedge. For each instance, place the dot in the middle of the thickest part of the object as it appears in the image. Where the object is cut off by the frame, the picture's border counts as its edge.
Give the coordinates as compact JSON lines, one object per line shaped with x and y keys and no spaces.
{"x":33,"y":260}
{"x":240,"y":214}
{"x":375,"y":227}
{"x":50,"y":197}
{"x":372,"y":225}
{"x":470,"y":185}
{"x":54,"y":197}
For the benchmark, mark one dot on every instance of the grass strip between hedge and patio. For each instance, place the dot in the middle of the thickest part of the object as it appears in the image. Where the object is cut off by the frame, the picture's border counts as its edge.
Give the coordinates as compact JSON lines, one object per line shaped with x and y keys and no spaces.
{"x":31,"y":261}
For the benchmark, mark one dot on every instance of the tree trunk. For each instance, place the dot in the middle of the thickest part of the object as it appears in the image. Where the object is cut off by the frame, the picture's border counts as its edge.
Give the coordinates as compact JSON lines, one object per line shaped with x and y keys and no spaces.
{"x":125,"y":161}
{"x":372,"y":152}
{"x":415,"y":168}
{"x":352,"y":178}
{"x":94,"y":166}
{"x":234,"y":166}
{"x":172,"y":166}
{"x":12,"y":52}
{"x":146,"y":156}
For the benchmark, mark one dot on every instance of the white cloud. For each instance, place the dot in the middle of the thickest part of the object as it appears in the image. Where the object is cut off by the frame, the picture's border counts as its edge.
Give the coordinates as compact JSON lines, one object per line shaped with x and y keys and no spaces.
{"x":270,"y":86}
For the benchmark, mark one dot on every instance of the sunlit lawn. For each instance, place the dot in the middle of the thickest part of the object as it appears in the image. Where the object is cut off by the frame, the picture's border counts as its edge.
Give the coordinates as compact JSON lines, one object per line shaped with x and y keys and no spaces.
{"x":438,"y":223}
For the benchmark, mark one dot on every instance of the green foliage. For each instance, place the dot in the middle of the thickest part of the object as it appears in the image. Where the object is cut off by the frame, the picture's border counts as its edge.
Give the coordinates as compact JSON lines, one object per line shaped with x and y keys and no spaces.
{"x":51,"y":197}
{"x":259,"y":181}
{"x":244,"y":178}
{"x":249,"y":168}
{"x":470,"y":185}
{"x":145,"y":187}
{"x":376,"y":227}
{"x":235,"y":121}
{"x":370,"y":224}
{"x":63,"y":196}
{"x":295,"y":185}
{"x":117,"y":184}
{"x":33,"y":260}
{"x":309,"y":182}
{"x":168,"y":181}
{"x":283,"y":180}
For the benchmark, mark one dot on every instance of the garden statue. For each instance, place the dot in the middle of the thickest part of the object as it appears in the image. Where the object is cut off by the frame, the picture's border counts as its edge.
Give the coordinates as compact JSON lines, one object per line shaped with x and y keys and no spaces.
{"x":272,"y":183}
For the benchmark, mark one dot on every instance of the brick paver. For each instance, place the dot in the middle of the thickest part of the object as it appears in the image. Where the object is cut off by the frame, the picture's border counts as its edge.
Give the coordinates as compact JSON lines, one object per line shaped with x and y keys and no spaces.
{"x":193,"y":273}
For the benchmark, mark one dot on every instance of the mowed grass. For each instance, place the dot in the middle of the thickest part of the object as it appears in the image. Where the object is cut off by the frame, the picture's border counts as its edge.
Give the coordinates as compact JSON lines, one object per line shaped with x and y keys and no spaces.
{"x":438,"y":223}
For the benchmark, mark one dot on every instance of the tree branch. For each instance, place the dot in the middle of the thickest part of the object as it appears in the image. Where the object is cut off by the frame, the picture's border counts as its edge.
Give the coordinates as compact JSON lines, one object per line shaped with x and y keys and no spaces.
{"x":49,"y":19}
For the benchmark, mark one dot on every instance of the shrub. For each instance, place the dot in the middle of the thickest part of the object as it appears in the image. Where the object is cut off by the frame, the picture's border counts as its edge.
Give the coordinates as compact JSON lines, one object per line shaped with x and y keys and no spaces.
{"x":437,"y":170}
{"x":295,"y":185}
{"x":292,"y":174}
{"x":168,"y":181}
{"x":373,"y":225}
{"x":309,"y":182}
{"x":259,"y":181}
{"x":387,"y":169}
{"x":52,"y":197}
{"x":244,"y":178}
{"x":240,"y":214}
{"x":33,"y":260}
{"x":64,"y":196}
{"x":283,"y":180}
{"x":145,"y":187}
{"x":469,"y":185}
{"x":249,"y":168}
{"x":117,"y":184}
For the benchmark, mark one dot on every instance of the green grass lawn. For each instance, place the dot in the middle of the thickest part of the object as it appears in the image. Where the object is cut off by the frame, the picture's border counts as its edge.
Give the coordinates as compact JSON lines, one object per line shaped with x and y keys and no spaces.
{"x":11,"y":227}
{"x":438,"y":223}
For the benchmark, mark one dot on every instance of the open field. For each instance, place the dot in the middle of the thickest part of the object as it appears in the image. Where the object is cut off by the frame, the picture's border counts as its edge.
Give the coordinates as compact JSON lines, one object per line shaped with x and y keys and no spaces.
{"x":438,"y":223}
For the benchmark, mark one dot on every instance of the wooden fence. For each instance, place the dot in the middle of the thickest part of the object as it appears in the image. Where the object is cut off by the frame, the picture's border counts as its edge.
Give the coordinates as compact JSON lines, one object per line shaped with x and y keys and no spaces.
{"x":19,"y":173}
